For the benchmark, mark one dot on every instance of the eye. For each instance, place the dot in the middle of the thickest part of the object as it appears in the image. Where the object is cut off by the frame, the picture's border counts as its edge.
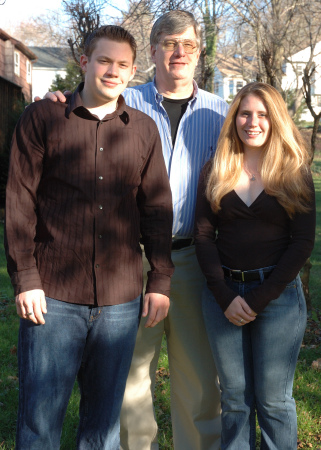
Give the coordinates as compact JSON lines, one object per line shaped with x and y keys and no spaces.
{"x":169,"y":45}
{"x":189,"y":45}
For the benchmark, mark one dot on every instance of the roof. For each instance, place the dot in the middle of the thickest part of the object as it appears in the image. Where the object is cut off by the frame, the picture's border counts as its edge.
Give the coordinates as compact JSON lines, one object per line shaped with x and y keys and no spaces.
{"x":19,"y":45}
{"x":234,"y":67}
{"x":51,"y":57}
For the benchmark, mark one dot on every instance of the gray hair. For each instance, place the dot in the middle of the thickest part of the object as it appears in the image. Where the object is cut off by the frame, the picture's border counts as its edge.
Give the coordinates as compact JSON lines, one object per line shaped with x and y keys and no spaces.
{"x":175,"y":22}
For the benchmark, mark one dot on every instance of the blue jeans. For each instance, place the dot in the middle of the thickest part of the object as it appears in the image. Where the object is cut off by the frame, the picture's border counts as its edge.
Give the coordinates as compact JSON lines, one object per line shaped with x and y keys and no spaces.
{"x":256,"y":364}
{"x":94,"y":343}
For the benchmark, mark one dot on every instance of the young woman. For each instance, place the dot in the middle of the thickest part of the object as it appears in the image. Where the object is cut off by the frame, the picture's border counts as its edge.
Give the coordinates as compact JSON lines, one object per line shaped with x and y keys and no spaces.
{"x":255,"y":225}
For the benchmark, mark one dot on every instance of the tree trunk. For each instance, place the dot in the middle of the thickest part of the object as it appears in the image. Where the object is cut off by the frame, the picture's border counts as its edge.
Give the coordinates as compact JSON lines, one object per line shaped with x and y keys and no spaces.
{"x":314,"y":134}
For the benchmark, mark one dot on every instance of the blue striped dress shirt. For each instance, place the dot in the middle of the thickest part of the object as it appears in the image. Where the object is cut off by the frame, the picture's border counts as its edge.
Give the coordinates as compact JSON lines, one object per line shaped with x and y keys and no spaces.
{"x":195,"y":144}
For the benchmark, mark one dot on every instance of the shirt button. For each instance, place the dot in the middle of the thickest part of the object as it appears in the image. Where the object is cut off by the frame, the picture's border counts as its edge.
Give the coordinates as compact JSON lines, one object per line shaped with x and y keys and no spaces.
{"x":100,"y":206}
{"x":100,"y":236}
{"x":101,"y":149}
{"x":101,"y":178}
{"x":97,"y":266}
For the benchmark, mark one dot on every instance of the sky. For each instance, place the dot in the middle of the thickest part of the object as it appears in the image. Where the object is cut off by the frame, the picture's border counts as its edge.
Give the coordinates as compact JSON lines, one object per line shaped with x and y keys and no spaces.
{"x":12,"y":12}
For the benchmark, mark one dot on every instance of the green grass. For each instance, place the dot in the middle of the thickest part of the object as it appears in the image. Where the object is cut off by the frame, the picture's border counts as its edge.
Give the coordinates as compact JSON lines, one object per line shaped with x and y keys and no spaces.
{"x":9,"y":324}
{"x":307,"y":383}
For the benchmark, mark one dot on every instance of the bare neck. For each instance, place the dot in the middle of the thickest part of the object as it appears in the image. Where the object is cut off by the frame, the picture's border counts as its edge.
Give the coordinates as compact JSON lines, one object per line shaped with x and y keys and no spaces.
{"x":98,"y":110}
{"x":175,"y":90}
{"x":252,"y":158}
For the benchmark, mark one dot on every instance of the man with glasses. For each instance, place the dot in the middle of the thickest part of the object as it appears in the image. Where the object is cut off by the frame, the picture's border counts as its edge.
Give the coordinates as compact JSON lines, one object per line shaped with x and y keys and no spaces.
{"x":189,"y":122}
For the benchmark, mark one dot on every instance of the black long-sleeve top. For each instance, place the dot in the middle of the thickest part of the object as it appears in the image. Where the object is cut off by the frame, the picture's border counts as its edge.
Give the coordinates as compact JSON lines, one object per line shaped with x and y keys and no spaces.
{"x":245,"y":237}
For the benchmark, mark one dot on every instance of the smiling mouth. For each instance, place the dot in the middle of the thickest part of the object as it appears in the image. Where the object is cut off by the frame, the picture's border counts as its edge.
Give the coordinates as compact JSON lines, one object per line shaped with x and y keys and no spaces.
{"x":110,"y":83}
{"x":253,"y":133}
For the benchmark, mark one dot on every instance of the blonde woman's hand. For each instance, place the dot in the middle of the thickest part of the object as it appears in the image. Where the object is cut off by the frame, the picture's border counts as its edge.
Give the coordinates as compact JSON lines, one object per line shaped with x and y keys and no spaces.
{"x":239,"y":313}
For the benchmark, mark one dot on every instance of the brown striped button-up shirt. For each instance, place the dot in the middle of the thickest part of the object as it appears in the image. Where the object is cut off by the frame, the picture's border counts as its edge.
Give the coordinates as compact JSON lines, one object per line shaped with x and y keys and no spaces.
{"x":81,"y":191}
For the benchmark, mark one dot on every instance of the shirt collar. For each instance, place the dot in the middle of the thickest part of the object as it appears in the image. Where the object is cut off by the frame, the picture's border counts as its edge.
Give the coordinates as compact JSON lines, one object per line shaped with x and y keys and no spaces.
{"x":75,"y":103}
{"x":159,"y":97}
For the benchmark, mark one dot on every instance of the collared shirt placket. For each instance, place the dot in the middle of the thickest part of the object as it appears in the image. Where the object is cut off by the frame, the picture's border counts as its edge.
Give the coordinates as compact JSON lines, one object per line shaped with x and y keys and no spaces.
{"x":100,"y":203}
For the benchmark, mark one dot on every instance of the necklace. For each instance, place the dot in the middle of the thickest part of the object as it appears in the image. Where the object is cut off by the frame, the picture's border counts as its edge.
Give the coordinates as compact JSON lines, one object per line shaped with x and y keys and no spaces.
{"x":250,"y":174}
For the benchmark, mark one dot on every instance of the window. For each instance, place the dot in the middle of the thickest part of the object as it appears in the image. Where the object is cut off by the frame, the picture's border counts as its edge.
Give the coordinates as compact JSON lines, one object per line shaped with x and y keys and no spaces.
{"x":216,"y":87}
{"x":239,"y":85}
{"x":28,"y":72}
{"x":17,"y":63}
{"x":299,"y":70}
{"x":231,"y":87}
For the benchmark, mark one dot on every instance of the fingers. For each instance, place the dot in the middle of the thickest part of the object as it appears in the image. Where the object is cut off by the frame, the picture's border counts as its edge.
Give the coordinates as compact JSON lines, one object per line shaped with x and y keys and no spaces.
{"x":36,"y":99}
{"x":55,"y":96}
{"x":156,"y":307}
{"x":239,"y":313}
{"x":145,"y":306}
{"x":31,"y":305}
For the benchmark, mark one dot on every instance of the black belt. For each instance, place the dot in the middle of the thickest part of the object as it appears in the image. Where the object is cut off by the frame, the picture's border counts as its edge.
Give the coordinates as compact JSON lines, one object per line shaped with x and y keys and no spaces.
{"x":181,"y":243}
{"x":247,"y":275}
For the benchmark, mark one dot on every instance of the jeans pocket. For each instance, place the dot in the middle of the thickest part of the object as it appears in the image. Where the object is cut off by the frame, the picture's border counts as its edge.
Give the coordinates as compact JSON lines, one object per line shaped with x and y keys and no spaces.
{"x":294,"y":283}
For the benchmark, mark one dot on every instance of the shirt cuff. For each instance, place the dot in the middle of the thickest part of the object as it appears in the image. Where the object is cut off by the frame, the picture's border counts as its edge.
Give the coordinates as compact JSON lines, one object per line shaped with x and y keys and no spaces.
{"x":26,"y":280}
{"x":158,"y":283}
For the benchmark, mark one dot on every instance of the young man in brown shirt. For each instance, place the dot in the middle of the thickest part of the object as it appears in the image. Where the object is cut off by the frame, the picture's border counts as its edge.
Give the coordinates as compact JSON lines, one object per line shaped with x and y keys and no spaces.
{"x":86,"y":180}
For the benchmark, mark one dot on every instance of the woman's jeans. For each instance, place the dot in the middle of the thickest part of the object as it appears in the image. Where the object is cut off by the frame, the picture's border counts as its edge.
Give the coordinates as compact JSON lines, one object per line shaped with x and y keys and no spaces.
{"x":256,"y":364}
{"x":94,"y":343}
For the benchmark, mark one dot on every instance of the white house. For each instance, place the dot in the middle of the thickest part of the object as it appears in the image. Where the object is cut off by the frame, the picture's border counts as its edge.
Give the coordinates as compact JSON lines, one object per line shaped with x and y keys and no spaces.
{"x":51,"y":61}
{"x":232,"y":73}
{"x":293,"y":71}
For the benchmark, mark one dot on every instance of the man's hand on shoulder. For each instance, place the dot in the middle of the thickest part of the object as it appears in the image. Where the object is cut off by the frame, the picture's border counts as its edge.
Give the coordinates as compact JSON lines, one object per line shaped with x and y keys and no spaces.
{"x":156,"y":308}
{"x":55,"y":96}
{"x":31,"y":305}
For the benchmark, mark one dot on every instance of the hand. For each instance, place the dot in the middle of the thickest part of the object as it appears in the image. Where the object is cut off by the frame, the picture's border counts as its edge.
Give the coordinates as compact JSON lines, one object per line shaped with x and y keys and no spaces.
{"x":54,"y":96}
{"x":32,"y":302}
{"x":156,"y":307}
{"x":239,"y":313}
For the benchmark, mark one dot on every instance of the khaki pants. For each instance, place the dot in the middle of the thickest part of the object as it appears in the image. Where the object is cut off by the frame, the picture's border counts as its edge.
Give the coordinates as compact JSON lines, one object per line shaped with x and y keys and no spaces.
{"x":195,"y":395}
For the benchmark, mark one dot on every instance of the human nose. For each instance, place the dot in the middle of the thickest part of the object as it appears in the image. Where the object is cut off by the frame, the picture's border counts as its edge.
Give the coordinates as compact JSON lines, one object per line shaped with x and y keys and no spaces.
{"x":112,"y":70}
{"x":253,"y":120}
{"x":179,"y":50}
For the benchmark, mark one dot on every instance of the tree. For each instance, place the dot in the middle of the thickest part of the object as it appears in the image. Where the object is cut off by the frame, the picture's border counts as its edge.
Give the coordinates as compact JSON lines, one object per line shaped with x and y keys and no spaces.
{"x":42,"y":31}
{"x":71,"y":80}
{"x":139,"y":20}
{"x":84,"y":17}
{"x":270,"y":22}
{"x":311,"y":72}
{"x":212,"y":12}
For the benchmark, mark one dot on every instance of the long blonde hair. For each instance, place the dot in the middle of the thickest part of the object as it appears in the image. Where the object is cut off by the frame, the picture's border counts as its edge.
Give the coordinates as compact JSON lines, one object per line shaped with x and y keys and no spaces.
{"x":285,"y":161}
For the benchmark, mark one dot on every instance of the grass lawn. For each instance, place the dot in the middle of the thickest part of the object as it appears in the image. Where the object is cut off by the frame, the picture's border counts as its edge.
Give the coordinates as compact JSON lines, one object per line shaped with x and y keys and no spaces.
{"x":307,"y":383}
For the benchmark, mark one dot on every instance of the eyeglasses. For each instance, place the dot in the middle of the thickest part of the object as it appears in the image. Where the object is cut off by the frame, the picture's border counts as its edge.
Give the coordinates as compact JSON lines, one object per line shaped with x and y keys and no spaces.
{"x":169,"y":45}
